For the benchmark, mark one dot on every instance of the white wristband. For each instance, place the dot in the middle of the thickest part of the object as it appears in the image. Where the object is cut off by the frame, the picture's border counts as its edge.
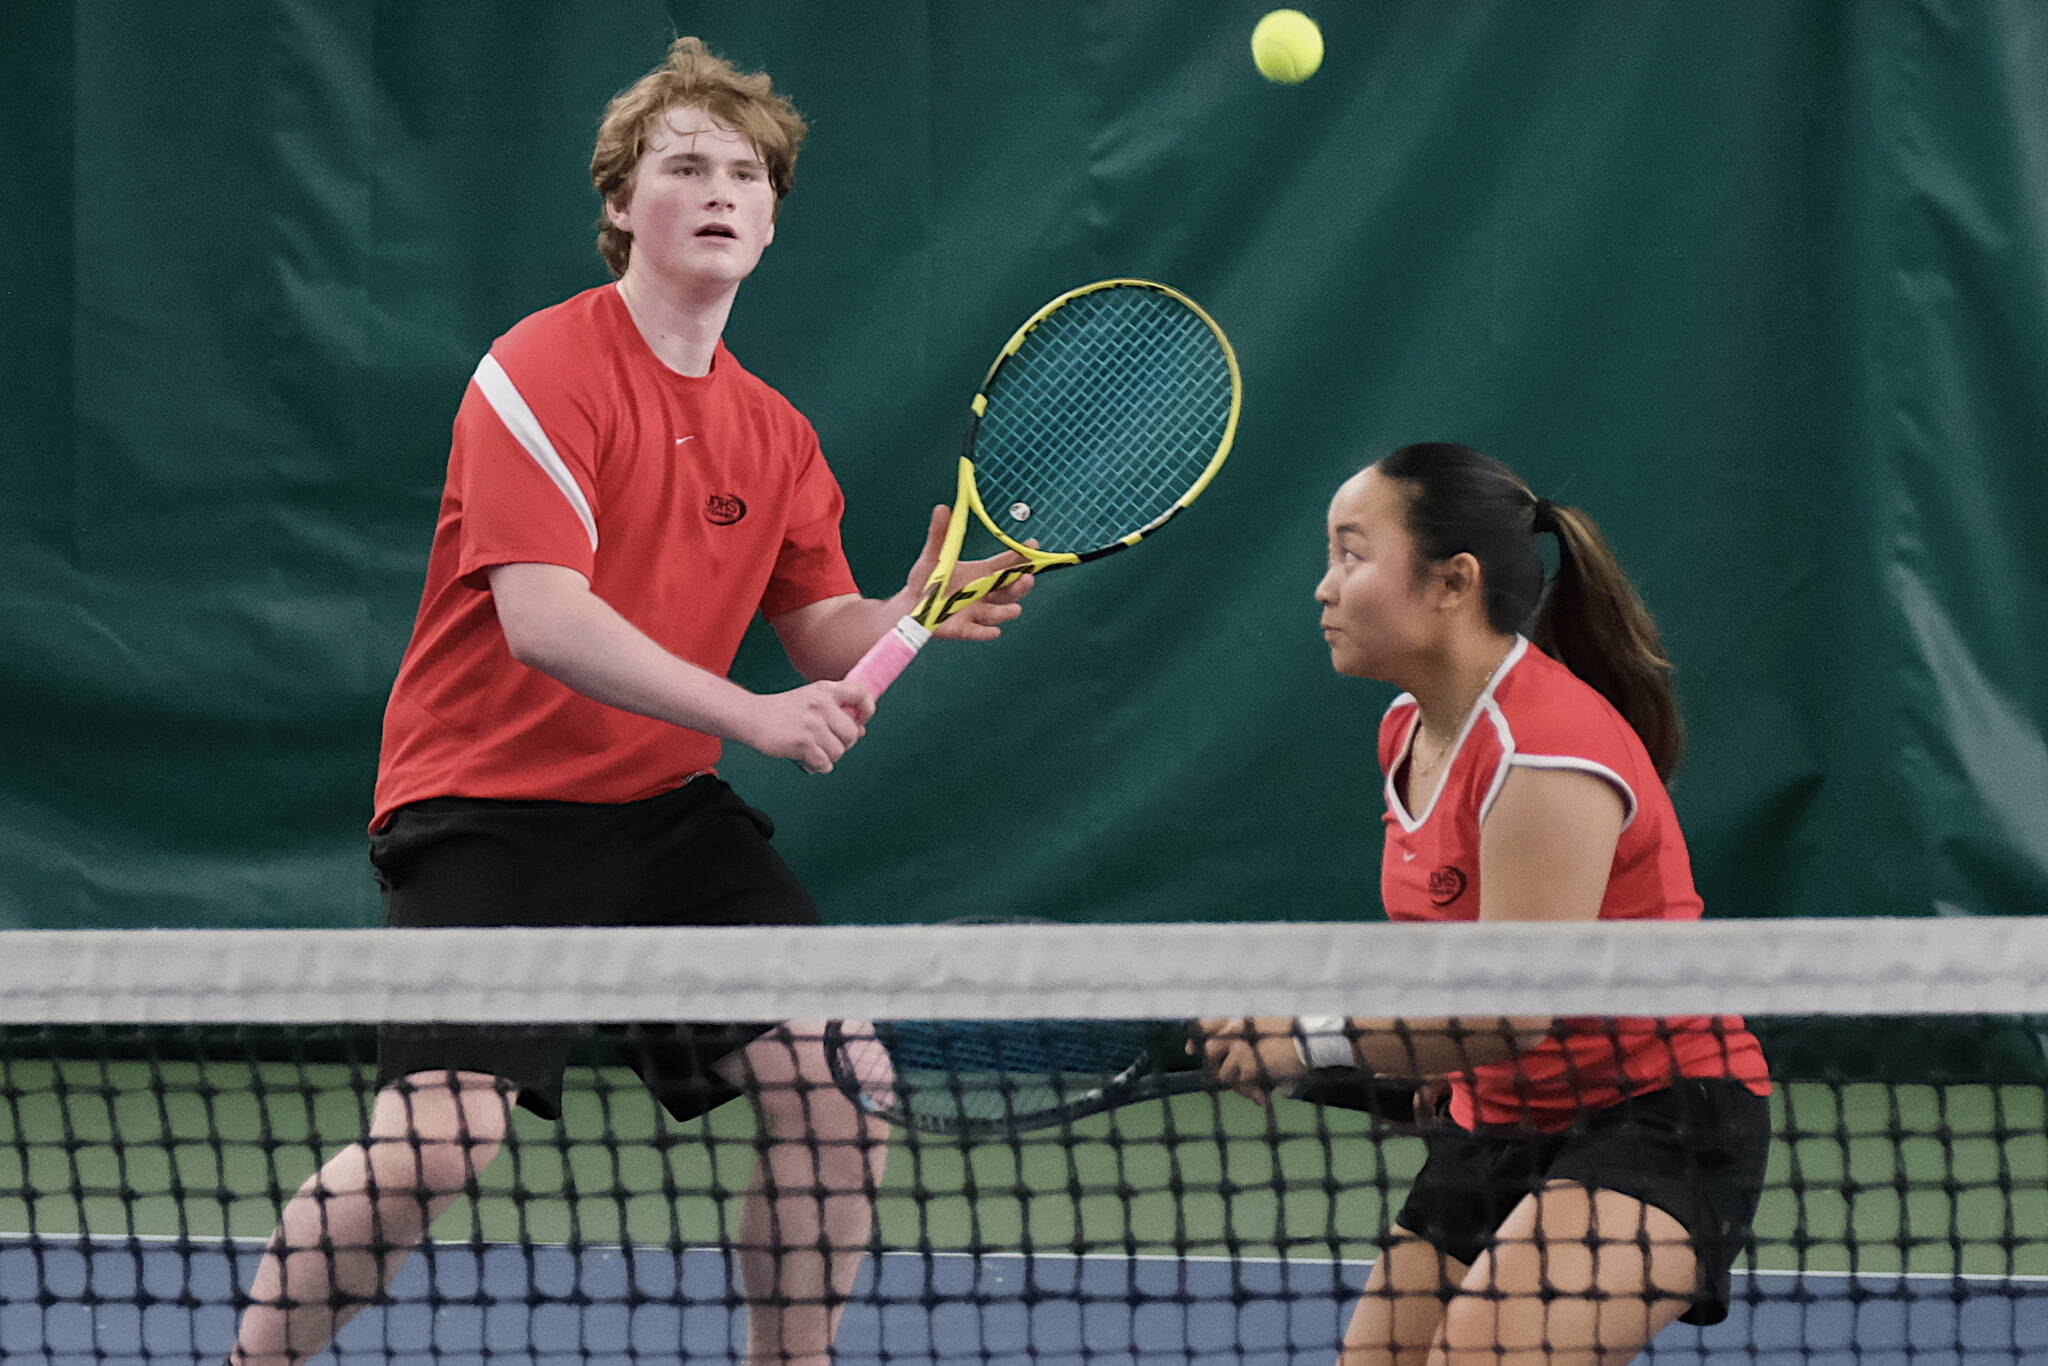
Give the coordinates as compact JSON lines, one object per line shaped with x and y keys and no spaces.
{"x":1324,"y":1041}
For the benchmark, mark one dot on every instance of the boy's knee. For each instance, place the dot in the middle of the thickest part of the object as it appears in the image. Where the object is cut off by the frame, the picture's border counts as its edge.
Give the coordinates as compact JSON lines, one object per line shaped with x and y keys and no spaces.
{"x":818,"y":1111}
{"x":436,"y":1138}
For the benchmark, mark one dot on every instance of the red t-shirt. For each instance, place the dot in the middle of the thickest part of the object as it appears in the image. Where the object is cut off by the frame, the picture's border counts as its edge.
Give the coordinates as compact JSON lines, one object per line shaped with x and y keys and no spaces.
{"x":689,"y":504}
{"x":1536,"y":713}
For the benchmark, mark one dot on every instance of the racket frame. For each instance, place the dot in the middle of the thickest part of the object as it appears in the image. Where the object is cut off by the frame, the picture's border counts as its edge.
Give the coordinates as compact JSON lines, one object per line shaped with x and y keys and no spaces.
{"x":1390,"y":1101}
{"x":931,"y":609}
{"x":892,"y":653}
{"x":1141,"y":1080}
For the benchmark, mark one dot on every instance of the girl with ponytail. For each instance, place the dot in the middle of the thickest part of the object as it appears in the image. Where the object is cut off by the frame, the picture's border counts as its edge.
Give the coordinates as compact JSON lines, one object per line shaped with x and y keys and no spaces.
{"x":1588,"y":1181}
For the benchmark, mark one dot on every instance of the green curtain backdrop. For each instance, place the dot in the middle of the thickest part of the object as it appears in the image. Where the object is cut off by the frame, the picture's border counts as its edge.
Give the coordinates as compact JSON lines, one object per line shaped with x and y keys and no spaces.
{"x":1761,"y":284}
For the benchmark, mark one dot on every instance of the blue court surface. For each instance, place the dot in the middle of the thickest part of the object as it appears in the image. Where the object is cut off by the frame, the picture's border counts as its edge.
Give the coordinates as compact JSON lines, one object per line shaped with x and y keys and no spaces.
{"x":64,"y":1302}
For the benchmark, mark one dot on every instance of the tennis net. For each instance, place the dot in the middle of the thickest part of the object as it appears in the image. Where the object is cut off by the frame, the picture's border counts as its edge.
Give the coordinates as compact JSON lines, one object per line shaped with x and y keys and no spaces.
{"x":164,"y":1095}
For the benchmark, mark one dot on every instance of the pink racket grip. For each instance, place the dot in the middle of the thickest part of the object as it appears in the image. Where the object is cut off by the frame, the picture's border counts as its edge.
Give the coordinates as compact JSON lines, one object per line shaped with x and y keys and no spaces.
{"x":889,"y":656}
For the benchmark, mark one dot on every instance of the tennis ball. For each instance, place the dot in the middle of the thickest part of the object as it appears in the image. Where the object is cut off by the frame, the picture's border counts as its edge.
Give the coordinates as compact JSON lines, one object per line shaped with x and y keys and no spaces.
{"x":1287,"y":46}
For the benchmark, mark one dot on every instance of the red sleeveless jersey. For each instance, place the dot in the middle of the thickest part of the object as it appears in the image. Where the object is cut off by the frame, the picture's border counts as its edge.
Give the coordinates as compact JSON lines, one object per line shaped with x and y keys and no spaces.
{"x":1535,"y":713}
{"x":690,"y":503}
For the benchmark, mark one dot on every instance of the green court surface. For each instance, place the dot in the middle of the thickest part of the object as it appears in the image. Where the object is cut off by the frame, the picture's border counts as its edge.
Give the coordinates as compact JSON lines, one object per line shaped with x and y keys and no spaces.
{"x":1870,"y":1177}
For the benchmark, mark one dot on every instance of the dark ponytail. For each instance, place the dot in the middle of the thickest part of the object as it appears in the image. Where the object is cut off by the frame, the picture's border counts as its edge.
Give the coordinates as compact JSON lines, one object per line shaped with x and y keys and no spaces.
{"x":1596,"y":624}
{"x":1592,"y":620}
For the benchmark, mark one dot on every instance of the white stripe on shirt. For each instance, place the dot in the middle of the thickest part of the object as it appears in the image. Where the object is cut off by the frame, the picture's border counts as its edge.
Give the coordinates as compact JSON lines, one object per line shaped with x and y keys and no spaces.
{"x":498,"y":390}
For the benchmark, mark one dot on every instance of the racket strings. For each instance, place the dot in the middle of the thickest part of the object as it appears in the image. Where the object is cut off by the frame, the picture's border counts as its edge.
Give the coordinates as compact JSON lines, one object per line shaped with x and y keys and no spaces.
{"x":946,"y":1073}
{"x":1103,"y":420}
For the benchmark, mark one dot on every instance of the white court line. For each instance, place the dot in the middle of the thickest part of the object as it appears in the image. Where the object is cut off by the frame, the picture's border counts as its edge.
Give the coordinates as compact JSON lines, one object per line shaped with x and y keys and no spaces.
{"x":257,"y":1244}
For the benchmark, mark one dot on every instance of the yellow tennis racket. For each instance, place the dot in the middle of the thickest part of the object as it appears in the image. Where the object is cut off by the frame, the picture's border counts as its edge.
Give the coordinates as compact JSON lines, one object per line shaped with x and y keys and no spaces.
{"x":1107,"y":412}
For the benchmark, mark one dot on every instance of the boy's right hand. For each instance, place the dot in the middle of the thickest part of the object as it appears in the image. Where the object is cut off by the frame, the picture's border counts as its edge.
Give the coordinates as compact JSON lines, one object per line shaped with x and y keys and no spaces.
{"x":814,"y":725}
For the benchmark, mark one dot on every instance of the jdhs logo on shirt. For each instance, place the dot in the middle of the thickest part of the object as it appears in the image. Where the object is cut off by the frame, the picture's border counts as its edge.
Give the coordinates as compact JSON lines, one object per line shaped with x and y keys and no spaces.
{"x":1446,"y":885}
{"x":723,"y":509}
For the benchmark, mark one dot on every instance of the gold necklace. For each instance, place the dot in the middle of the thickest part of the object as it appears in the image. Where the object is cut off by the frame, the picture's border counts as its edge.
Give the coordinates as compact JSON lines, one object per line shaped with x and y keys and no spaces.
{"x":1419,"y":770}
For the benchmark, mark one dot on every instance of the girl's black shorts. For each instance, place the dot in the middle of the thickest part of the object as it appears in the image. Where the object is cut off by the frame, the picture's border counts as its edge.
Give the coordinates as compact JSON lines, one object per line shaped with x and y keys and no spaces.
{"x":1695,"y":1150}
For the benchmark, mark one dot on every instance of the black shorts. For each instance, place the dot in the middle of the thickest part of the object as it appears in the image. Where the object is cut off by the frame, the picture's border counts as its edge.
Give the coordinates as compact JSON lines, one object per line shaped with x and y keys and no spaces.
{"x":1695,"y":1150}
{"x":695,"y":856}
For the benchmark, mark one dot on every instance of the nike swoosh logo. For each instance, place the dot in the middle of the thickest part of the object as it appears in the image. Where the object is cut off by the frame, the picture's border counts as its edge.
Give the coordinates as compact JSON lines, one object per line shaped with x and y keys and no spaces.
{"x":1407,"y":857}
{"x":681,"y":439}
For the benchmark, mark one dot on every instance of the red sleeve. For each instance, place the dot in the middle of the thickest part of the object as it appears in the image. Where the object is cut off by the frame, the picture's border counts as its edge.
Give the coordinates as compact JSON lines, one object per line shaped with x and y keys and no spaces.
{"x":1575,"y":722}
{"x":1576,"y":729}
{"x":523,"y":467}
{"x":811,"y":566}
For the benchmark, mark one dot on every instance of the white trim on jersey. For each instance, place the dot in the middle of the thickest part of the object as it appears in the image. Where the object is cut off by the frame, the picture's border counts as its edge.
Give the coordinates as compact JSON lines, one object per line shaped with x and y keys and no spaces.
{"x":1512,"y":757}
{"x":1565,"y":762}
{"x":503,"y":395}
{"x":1483,"y":706}
{"x":1506,"y":736}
